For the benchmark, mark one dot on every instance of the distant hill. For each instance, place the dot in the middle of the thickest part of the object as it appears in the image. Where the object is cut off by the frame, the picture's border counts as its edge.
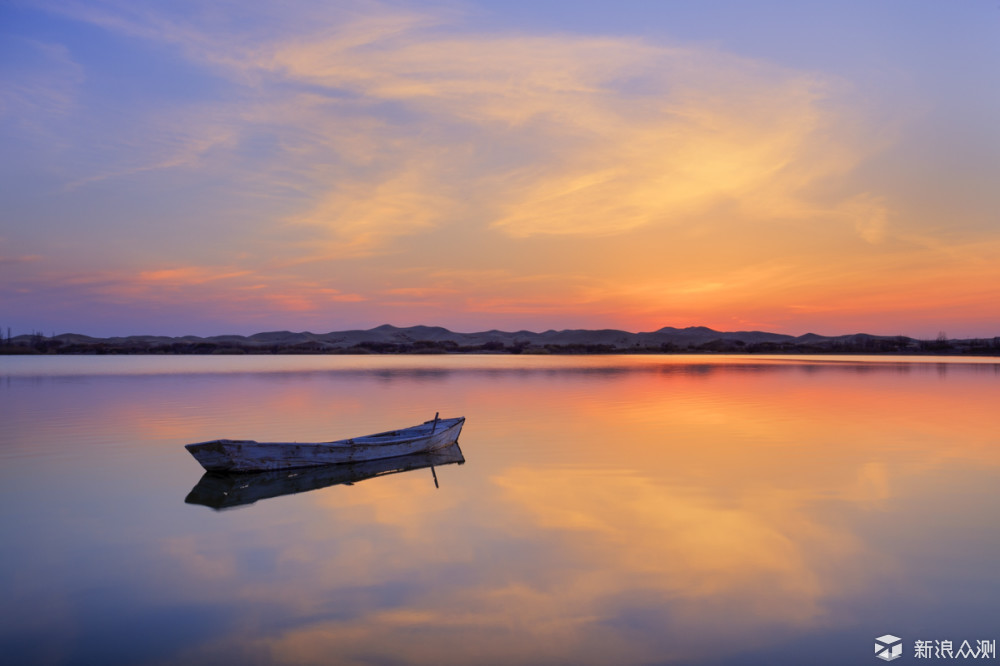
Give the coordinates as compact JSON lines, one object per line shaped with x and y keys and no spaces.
{"x":388,"y":339}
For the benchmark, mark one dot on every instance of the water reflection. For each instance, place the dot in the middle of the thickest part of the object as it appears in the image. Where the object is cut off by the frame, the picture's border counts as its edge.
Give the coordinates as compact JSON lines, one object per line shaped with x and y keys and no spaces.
{"x":230,"y":490}
{"x":619,"y":510}
{"x":436,"y":367}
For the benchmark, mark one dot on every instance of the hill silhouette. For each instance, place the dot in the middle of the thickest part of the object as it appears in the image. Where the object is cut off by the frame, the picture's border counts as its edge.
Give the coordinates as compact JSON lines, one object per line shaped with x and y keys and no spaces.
{"x":388,"y":339}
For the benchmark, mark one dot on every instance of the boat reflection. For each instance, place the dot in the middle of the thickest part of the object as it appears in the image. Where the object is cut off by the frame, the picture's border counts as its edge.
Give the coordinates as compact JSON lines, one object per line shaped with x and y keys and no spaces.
{"x":220,"y":490}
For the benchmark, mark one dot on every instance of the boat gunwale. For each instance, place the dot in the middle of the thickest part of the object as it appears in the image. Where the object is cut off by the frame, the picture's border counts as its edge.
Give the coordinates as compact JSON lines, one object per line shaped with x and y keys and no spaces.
{"x":381,"y":440}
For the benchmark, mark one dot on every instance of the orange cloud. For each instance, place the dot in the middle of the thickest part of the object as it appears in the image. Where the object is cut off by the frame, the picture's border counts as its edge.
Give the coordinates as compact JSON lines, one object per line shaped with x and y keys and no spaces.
{"x":187,"y":276}
{"x":360,"y":217}
{"x":705,"y":127}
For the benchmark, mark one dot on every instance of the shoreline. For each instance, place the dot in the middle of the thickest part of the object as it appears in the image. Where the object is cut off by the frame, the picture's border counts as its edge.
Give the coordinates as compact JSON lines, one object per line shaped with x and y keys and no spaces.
{"x":952,"y":352}
{"x":421,"y":340}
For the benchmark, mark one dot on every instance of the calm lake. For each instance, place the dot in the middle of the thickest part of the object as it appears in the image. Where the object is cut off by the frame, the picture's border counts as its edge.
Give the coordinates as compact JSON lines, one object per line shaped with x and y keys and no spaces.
{"x":610,"y":510}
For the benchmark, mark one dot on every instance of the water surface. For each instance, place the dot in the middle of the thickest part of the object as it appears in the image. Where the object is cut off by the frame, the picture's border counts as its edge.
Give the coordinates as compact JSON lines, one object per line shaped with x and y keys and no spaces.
{"x":626,"y":510}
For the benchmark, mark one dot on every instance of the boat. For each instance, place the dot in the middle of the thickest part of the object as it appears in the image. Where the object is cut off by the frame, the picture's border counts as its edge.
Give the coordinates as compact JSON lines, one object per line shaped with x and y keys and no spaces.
{"x":228,"y":490}
{"x":242,"y":455}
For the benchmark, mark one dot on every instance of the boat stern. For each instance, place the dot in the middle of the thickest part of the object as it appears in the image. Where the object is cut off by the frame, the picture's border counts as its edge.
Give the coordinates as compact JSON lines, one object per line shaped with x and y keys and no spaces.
{"x":445,"y":433}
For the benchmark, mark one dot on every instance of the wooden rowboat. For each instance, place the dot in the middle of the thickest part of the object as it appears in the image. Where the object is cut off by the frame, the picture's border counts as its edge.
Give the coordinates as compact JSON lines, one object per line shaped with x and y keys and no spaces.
{"x":228,"y":490}
{"x":232,"y":455}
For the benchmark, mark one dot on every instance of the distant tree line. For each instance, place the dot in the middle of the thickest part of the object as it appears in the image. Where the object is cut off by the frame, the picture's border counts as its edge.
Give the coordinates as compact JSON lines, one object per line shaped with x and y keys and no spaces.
{"x":37,"y":343}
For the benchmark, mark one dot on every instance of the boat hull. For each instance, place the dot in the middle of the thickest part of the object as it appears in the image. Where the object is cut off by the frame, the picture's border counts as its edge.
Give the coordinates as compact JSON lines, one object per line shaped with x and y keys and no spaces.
{"x":222,"y":490}
{"x":228,"y":455}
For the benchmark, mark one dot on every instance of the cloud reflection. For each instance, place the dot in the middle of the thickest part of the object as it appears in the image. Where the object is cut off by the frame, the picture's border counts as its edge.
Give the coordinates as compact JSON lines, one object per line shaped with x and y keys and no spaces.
{"x":615,"y":510}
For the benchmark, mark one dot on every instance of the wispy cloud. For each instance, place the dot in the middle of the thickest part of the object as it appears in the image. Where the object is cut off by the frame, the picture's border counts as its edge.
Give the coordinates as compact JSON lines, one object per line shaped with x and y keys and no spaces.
{"x":40,"y":89}
{"x":548,"y":134}
{"x":19,"y":259}
{"x":358,"y":217}
{"x":598,"y":136}
{"x":239,"y":294}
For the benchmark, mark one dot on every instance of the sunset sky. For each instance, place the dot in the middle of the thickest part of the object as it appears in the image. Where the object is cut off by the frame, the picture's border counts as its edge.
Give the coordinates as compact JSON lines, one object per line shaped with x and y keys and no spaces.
{"x":234,"y":167}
